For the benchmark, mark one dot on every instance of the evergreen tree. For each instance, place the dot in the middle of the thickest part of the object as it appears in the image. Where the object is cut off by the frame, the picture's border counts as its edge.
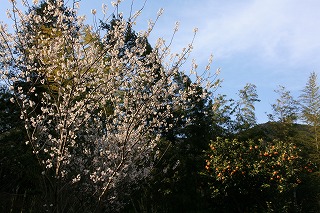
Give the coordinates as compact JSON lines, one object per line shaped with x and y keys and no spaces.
{"x":285,"y":109}
{"x":310,"y":104}
{"x":222,"y":119}
{"x":285,"y":114}
{"x":245,"y":109}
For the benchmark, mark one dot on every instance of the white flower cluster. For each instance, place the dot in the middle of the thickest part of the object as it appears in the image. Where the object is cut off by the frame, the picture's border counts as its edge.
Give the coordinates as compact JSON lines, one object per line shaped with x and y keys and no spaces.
{"x":92,"y":106}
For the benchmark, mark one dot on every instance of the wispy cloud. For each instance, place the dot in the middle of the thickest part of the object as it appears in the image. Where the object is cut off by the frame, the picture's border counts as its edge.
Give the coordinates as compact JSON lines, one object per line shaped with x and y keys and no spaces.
{"x":275,"y":31}
{"x":279,"y":31}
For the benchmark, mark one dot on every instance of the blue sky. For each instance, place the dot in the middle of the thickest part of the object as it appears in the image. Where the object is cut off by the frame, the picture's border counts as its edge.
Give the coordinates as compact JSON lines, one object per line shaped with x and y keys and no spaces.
{"x":264,"y":42}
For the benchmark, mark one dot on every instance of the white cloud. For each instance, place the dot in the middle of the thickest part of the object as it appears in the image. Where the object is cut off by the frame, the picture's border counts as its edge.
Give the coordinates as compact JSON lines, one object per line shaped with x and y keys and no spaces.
{"x":275,"y":30}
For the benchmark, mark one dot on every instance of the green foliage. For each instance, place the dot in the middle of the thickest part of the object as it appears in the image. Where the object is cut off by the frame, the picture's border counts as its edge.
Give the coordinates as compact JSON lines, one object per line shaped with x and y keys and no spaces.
{"x":231,"y":117}
{"x":251,"y":174}
{"x":222,"y":121}
{"x":285,"y":110}
{"x":310,"y":104}
{"x":245,"y":109}
{"x":310,"y":99}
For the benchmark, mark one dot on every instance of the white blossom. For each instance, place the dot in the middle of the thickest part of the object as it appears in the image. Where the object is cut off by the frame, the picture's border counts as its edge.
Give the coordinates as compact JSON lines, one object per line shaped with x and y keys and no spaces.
{"x":102,"y":106}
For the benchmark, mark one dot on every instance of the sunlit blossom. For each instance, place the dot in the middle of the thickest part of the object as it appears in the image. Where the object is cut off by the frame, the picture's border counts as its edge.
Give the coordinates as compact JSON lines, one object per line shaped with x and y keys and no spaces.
{"x":102,"y":106}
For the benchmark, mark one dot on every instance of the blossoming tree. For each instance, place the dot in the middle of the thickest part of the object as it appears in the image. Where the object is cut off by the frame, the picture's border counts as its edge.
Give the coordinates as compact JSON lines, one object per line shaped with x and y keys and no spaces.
{"x":93,"y":108}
